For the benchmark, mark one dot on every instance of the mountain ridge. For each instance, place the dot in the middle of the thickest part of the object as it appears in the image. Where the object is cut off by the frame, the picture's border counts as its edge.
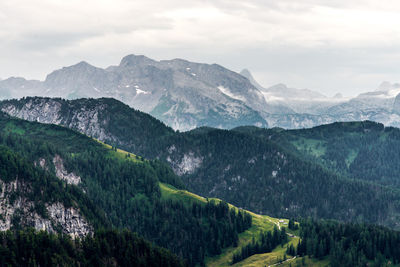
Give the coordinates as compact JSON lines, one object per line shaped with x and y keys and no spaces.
{"x":186,"y":95}
{"x":245,"y":167}
{"x":183,"y":94}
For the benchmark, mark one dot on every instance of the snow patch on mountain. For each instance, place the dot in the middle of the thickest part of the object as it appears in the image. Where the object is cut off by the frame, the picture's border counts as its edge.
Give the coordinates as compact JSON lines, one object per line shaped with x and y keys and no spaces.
{"x":227,"y":92}
{"x":139,"y":91}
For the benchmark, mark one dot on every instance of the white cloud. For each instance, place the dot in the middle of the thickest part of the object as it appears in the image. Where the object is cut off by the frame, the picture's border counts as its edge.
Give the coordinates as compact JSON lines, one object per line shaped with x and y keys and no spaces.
{"x":333,"y":45}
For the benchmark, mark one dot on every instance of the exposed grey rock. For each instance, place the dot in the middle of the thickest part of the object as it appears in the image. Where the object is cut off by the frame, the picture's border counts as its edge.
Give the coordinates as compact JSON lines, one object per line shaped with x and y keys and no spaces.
{"x":41,"y":163}
{"x":187,"y":164}
{"x":302,"y":108}
{"x":186,"y":95}
{"x":387,"y":86}
{"x":183,"y":94}
{"x":16,"y":87}
{"x":396,"y":104}
{"x":8,"y":208}
{"x":246,"y":73}
{"x":68,"y":219}
{"x":47,"y":110}
{"x":63,"y":174}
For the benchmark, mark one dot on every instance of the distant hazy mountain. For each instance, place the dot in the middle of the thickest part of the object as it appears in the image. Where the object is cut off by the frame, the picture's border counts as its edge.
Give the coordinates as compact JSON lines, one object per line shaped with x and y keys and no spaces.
{"x":186,"y":95}
{"x":387,"y":86}
{"x":181,"y":93}
{"x":246,"y":73}
{"x":291,"y":100}
{"x":16,"y":87}
{"x":303,"y":108}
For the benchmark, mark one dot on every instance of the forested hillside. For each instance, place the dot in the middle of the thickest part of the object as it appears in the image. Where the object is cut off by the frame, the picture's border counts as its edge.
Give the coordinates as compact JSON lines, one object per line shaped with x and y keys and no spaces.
{"x":263,"y":170}
{"x":261,"y":176}
{"x":33,"y":197}
{"x":362,"y":150}
{"x":106,"y":119}
{"x":104,"y":248}
{"x":126,"y":188}
{"x":349,"y":244}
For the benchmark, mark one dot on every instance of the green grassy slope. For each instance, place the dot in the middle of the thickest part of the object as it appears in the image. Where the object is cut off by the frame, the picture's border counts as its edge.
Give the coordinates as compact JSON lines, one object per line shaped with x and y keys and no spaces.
{"x":261,"y":223}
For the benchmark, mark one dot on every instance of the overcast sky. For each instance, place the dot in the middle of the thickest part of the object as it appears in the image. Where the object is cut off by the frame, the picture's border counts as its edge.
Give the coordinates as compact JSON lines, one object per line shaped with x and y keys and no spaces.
{"x":347,"y":46}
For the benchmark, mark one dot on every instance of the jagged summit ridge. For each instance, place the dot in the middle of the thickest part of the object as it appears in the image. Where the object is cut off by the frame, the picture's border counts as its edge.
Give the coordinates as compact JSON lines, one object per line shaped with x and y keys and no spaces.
{"x":183,"y":94}
{"x":186,"y":95}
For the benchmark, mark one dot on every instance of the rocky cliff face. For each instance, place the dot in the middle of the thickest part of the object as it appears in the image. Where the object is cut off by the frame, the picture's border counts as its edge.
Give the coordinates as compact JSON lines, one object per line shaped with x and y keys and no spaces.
{"x":105,"y":119}
{"x":56,"y":111}
{"x":18,"y":210}
{"x":396,"y":104}
{"x":63,"y":174}
{"x":183,"y":164}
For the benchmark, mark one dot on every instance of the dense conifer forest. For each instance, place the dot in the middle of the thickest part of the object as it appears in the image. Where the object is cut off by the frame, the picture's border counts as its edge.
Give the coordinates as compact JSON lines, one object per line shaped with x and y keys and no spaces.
{"x":313,"y":173}
{"x":318,"y":172}
{"x":349,"y":244}
{"x":125,"y":189}
{"x":105,"y":248}
{"x":266,"y":243}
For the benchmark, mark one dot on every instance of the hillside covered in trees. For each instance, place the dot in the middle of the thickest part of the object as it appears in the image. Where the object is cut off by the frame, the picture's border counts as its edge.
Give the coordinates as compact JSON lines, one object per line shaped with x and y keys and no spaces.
{"x":317,"y":173}
{"x":123,"y":187}
{"x":267,"y":171}
{"x":349,"y":244}
{"x":104,"y":248}
{"x":361,"y":150}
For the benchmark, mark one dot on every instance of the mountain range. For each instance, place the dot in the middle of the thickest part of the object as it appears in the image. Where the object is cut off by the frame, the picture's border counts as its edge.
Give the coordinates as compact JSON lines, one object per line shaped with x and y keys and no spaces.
{"x":268,"y":171}
{"x":186,"y":95}
{"x":183,"y":94}
{"x":75,"y":171}
{"x":65,"y":182}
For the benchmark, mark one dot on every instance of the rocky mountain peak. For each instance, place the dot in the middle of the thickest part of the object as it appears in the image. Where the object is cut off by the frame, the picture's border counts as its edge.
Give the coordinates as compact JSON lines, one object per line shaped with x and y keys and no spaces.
{"x":396,"y":104}
{"x":246,"y":73}
{"x":81,"y":69}
{"x":338,"y":95}
{"x":387,"y":86}
{"x":82,"y":65}
{"x":14,"y":79}
{"x":132,"y":60}
{"x":278,"y":87}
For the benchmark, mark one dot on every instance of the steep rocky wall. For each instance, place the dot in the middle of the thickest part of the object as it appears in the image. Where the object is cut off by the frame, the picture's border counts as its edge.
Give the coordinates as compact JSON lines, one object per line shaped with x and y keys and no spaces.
{"x":85,"y":120}
{"x":63,"y":174}
{"x":15,"y":208}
